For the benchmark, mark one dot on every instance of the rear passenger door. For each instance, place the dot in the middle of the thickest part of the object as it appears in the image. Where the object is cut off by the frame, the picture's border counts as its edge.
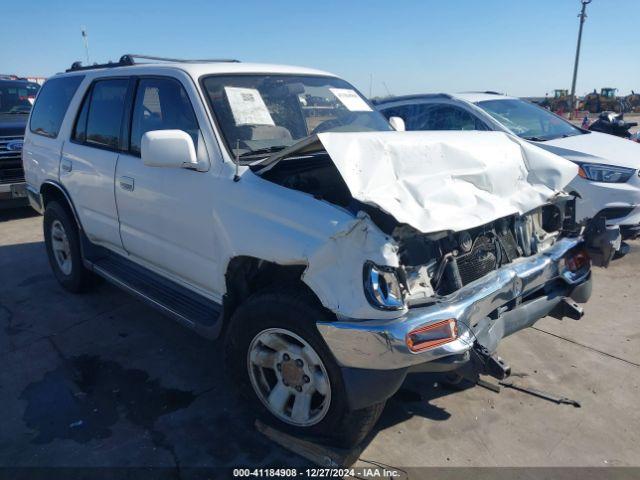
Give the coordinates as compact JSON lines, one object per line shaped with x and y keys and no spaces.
{"x":166,"y":214}
{"x":89,"y":159}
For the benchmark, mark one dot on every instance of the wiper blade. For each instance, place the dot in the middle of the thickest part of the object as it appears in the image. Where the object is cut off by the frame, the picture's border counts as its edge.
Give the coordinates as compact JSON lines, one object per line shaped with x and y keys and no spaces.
{"x":535,"y":139}
{"x":263,"y":151}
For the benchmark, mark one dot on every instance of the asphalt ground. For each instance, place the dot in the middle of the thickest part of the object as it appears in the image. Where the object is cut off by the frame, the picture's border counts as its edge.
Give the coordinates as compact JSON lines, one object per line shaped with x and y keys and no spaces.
{"x":102,"y":380}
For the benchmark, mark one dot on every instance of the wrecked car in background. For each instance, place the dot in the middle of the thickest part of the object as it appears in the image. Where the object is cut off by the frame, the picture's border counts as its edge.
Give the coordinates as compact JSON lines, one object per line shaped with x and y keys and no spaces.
{"x":273,"y":206}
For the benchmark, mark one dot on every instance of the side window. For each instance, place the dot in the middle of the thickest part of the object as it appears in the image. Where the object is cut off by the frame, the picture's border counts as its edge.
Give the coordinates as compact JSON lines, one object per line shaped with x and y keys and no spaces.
{"x":161,"y":104}
{"x":434,"y":116}
{"x":80,"y":129}
{"x":404,"y":112}
{"x":51,"y":105}
{"x":104,"y":115}
{"x":452,"y":118}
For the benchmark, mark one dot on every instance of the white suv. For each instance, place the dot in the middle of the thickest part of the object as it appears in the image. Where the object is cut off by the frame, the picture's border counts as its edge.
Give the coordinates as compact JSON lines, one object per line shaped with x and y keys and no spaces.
{"x":273,"y":206}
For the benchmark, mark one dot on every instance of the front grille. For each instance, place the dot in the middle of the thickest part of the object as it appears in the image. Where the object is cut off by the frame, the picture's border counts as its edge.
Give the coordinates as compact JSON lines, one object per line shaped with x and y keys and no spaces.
{"x":482,"y":259}
{"x":11,"y":170}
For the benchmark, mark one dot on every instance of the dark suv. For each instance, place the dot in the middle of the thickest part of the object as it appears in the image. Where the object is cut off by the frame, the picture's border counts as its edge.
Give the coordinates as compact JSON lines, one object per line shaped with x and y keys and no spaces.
{"x":16,"y":98}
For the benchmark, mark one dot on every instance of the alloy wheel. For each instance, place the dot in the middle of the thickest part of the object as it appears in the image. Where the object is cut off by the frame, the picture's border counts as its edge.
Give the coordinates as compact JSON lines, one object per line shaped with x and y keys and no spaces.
{"x":289,"y":377}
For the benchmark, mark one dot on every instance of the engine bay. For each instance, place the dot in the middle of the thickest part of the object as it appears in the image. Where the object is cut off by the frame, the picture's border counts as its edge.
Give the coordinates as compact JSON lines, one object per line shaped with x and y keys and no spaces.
{"x":438,"y":264}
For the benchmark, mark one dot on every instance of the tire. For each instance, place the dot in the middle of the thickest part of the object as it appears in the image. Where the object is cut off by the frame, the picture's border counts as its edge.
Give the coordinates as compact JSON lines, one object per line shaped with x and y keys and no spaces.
{"x":66,"y":261}
{"x":268,"y":315}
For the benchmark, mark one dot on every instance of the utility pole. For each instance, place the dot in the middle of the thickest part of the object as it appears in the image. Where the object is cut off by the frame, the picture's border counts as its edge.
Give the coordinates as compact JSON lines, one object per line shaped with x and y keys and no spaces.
{"x":387,"y":89}
{"x":582,"y":17}
{"x":85,"y":39}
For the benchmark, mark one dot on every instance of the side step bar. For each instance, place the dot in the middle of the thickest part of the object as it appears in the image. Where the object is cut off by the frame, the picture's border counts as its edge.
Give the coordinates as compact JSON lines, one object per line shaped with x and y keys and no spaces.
{"x":176,"y":301}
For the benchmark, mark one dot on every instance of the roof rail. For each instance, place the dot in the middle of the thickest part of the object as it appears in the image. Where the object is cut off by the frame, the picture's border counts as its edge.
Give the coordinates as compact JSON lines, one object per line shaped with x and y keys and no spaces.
{"x":488,"y":92}
{"x":418,"y":96}
{"x":129,"y":59}
{"x":133,"y":56}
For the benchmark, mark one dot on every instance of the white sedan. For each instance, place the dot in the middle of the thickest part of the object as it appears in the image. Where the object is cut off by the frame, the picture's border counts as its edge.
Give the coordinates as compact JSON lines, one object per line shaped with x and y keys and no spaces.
{"x":608,"y":181}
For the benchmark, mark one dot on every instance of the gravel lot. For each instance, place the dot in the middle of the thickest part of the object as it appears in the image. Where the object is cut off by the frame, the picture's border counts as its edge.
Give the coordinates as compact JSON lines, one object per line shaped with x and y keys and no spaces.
{"x":103,"y":380}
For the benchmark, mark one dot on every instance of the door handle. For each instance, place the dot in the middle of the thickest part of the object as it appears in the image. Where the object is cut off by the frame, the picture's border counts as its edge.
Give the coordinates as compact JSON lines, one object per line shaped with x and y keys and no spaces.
{"x":66,"y":165}
{"x":127,"y":183}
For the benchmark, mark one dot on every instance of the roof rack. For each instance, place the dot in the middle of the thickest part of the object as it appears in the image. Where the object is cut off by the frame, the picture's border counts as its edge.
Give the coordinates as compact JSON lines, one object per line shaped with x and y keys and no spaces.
{"x":417,"y":96}
{"x":129,"y":59}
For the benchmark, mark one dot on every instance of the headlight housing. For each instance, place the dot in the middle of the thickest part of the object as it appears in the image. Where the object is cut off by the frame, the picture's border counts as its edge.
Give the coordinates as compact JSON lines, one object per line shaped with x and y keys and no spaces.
{"x":382,"y":287}
{"x":598,"y":172}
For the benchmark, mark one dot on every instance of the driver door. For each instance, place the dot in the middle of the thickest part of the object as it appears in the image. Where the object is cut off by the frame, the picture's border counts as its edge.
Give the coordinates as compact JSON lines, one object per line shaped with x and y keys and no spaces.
{"x":165,"y":214}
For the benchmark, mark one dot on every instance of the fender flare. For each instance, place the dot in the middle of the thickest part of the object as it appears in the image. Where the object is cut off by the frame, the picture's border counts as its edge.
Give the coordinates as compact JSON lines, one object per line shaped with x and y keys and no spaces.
{"x":66,"y":196}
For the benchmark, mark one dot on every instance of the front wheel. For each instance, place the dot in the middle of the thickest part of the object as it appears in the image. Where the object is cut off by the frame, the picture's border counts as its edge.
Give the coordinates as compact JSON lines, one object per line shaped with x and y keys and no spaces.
{"x":279,"y":361}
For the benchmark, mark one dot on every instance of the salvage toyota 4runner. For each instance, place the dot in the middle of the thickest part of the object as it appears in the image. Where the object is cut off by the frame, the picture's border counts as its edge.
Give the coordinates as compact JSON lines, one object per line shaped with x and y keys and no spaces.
{"x":274,"y":207}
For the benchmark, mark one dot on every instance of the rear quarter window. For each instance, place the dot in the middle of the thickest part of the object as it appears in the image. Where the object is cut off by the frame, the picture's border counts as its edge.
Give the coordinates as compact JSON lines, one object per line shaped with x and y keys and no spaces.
{"x":51,"y":105}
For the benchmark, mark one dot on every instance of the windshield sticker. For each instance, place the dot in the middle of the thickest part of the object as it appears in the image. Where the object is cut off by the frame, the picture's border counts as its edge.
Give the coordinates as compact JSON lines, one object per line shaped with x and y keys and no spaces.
{"x":351,"y":99}
{"x":248,"y":107}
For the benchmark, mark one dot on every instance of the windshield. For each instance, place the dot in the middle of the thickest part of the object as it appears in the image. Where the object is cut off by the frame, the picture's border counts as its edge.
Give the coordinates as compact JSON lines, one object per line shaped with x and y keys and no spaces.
{"x":529,"y":121}
{"x":260,"y":114}
{"x":17,"y":97}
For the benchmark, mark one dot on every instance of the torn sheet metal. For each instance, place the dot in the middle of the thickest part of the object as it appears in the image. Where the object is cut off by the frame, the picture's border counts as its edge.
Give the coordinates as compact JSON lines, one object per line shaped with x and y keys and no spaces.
{"x":437,"y":181}
{"x":361,"y":239}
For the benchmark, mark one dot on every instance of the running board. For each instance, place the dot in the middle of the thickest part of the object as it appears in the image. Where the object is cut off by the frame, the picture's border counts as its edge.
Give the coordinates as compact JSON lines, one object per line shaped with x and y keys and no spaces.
{"x":174,"y":300}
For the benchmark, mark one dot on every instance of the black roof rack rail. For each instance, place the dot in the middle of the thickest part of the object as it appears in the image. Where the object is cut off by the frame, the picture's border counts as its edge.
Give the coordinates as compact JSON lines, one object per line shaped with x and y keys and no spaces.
{"x":129,"y":59}
{"x":133,"y":56}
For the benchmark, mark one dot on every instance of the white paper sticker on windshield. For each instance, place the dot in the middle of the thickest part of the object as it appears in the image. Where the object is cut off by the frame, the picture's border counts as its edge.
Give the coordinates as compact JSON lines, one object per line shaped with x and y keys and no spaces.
{"x":248,"y":107}
{"x":351,"y":99}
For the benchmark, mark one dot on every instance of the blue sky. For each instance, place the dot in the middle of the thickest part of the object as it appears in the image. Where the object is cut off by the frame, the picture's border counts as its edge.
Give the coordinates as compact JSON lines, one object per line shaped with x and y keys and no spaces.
{"x":522,"y":47}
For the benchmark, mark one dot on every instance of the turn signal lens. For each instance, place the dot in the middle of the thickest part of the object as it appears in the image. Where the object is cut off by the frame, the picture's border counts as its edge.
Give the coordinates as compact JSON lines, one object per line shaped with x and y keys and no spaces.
{"x":582,"y":173}
{"x":432,"y":335}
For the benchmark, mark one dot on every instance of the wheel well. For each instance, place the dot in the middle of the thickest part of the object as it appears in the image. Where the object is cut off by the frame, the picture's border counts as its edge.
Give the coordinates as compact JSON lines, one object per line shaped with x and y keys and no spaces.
{"x":247,"y":275}
{"x":52,"y":192}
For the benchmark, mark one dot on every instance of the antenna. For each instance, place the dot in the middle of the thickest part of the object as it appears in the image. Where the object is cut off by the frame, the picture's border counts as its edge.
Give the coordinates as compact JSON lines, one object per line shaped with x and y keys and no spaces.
{"x":387,"y":89}
{"x":236,"y":177}
{"x":85,"y":39}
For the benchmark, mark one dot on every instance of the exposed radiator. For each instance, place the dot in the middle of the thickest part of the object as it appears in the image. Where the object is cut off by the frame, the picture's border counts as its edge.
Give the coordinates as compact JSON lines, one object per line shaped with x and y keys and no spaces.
{"x":482,"y":259}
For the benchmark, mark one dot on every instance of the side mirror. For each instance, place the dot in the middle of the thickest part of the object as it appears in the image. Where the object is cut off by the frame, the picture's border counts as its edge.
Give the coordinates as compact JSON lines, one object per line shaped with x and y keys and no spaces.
{"x":397,"y":123}
{"x":169,"y":149}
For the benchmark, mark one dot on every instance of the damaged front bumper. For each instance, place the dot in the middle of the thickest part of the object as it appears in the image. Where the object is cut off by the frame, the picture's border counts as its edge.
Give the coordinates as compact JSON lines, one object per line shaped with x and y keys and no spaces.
{"x":487,"y":310}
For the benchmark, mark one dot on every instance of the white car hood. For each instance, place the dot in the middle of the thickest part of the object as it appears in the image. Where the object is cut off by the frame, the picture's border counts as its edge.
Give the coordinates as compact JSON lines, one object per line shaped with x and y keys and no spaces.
{"x":597,"y":148}
{"x":438,"y":181}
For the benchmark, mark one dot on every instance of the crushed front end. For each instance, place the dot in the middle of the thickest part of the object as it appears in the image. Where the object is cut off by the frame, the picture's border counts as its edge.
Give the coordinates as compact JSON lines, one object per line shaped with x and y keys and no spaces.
{"x":465,"y":292}
{"x":482,"y":243}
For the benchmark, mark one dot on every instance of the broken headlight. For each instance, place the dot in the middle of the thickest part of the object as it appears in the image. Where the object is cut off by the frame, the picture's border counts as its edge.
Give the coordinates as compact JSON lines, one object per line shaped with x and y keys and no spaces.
{"x":597,"y":172}
{"x":382,"y":287}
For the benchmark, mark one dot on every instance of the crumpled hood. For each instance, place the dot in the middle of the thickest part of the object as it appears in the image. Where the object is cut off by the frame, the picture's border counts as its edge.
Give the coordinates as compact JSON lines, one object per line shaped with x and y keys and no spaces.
{"x":437,"y":181}
{"x":596,"y":147}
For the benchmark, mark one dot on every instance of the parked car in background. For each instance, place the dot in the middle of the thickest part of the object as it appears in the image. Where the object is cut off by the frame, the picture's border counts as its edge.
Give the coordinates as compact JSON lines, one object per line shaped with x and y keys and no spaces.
{"x":607,"y":182}
{"x":16,"y":98}
{"x":260,"y":203}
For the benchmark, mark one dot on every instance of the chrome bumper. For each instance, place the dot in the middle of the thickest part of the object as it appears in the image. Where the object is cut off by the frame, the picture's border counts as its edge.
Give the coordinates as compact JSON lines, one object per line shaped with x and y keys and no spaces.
{"x":380,"y":344}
